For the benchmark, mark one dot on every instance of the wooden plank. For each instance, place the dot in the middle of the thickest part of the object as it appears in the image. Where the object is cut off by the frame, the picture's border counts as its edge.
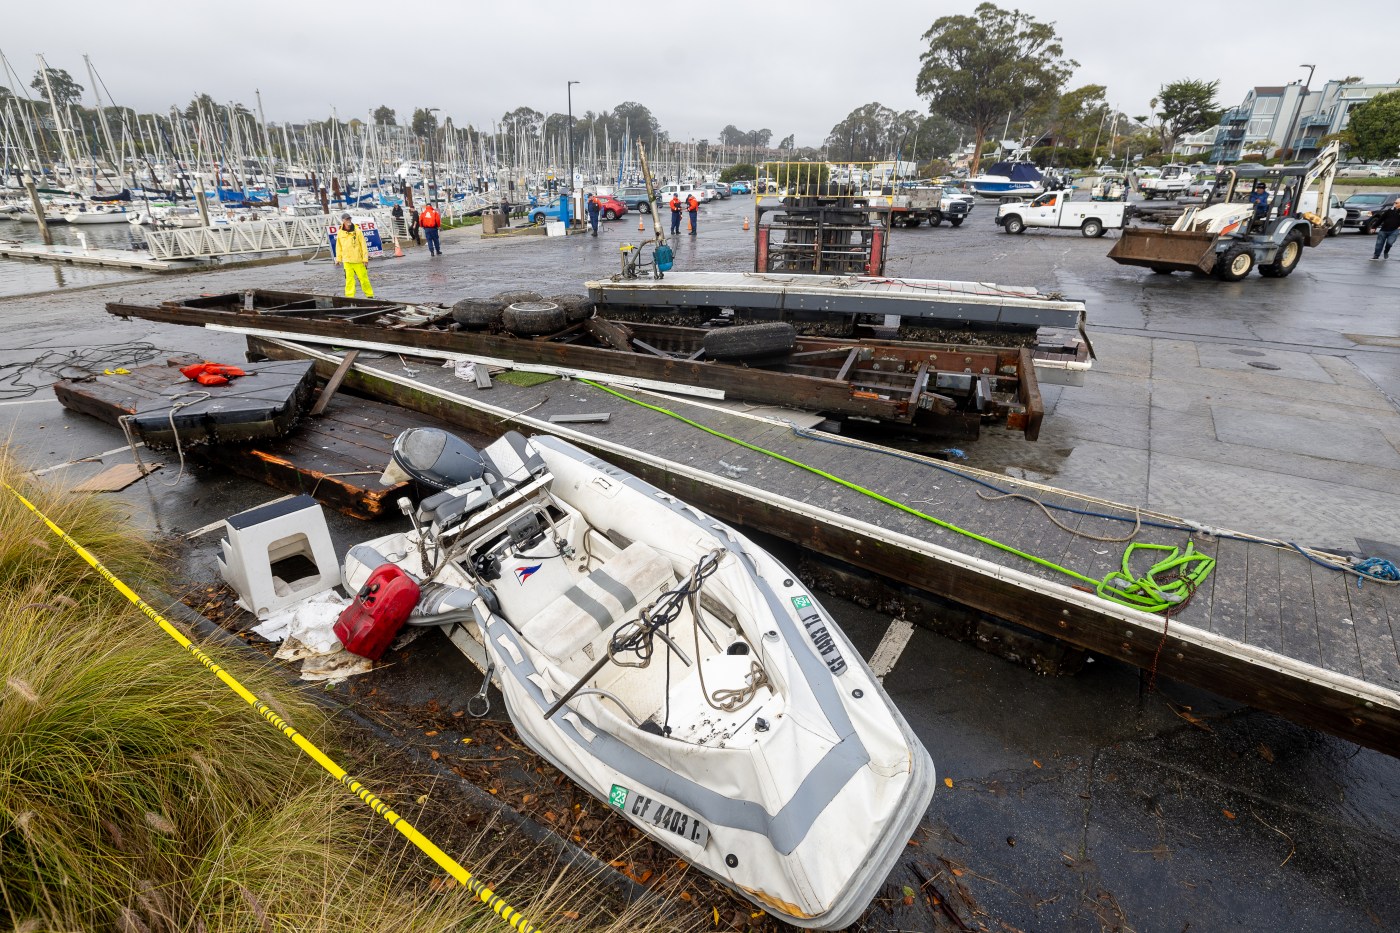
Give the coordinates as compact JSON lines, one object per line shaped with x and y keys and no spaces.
{"x":333,"y":383}
{"x":1229,"y":614}
{"x":1261,"y":626}
{"x":116,"y":478}
{"x":1336,"y":630}
{"x":846,"y":366}
{"x":1298,"y":609}
{"x":1379,"y":660}
{"x":483,"y":376}
{"x":1244,"y":674}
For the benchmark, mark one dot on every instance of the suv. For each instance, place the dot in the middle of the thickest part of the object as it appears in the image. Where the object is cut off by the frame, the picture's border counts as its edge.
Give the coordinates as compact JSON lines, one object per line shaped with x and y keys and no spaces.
{"x":634,"y":199}
{"x":682,"y":190}
{"x":1362,"y":207}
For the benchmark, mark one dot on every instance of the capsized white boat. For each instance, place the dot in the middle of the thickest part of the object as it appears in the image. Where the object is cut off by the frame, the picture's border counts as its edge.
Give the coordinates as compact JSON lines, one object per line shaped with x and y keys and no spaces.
{"x":667,"y":664}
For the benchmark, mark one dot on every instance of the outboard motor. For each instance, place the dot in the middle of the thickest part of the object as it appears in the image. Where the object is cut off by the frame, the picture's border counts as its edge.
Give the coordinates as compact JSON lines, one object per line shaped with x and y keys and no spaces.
{"x":436,"y":459}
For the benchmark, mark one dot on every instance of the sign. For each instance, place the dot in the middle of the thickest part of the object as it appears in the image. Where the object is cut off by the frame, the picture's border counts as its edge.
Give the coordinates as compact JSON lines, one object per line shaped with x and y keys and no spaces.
{"x":659,"y":815}
{"x":369,"y":229}
{"x":817,"y":632}
{"x":578,"y":179}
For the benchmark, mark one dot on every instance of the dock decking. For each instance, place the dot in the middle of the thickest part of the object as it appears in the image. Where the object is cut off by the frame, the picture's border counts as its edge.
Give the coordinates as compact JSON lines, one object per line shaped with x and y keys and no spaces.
{"x":1268,"y":628}
{"x":92,"y":256}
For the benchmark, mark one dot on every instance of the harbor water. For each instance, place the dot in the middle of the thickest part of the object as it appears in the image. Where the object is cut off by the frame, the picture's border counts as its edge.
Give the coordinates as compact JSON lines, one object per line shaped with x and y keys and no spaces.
{"x":22,"y":277}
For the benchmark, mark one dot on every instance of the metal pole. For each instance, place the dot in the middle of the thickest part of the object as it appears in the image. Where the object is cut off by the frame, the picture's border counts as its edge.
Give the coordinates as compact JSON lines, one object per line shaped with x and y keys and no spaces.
{"x":570,"y":91}
{"x":38,"y":209}
{"x":432,"y":157}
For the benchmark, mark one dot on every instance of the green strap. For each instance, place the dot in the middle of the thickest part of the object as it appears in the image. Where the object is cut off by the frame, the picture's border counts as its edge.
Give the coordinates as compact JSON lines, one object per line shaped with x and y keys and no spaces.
{"x":1180,"y":572}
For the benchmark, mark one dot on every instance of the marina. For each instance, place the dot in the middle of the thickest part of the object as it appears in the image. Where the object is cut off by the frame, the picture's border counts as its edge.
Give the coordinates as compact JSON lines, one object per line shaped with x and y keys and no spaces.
{"x":817,"y":565}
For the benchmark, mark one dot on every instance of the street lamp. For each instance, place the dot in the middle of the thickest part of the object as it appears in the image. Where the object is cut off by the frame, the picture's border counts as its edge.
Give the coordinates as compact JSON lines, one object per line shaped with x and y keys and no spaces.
{"x":1298,"y":111}
{"x":432,"y":161}
{"x":569,"y":89}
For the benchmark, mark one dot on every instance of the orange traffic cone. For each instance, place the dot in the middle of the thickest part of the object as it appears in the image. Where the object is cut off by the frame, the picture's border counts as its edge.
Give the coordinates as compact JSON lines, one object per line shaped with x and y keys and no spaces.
{"x":746,"y":223}
{"x":639,"y":224}
{"x":398,"y":250}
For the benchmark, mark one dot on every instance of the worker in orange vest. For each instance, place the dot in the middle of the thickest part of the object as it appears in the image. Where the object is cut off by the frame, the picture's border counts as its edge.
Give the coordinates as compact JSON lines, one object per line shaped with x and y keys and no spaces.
{"x":675,"y":215}
{"x":693,"y":206}
{"x":431,"y":222}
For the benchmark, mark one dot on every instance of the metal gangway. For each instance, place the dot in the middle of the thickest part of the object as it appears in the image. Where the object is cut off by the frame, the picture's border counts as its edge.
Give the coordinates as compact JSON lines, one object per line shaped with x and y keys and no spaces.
{"x":236,"y":238}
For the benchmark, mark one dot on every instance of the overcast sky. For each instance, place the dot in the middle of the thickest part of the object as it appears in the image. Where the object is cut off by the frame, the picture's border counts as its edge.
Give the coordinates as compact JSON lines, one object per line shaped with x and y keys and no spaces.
{"x":698,"y":66}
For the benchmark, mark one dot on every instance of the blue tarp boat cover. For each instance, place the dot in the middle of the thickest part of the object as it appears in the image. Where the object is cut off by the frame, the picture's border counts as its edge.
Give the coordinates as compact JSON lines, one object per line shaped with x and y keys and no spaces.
{"x":1016,"y":171}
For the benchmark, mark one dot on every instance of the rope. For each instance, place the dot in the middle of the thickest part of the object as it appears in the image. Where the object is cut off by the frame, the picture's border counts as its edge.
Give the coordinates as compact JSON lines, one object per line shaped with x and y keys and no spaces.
{"x":1143,"y":592}
{"x":1137,"y":512}
{"x":91,"y":360}
{"x":498,"y":904}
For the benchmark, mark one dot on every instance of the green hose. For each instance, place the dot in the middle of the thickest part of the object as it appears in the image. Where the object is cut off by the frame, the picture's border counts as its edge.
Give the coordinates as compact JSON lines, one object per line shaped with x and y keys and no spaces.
{"x":1166,"y":584}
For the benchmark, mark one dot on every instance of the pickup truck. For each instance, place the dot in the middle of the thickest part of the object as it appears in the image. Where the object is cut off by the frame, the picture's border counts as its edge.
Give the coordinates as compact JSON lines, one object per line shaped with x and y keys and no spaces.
{"x":1055,"y":209}
{"x":1170,"y":184}
{"x":913,"y":206}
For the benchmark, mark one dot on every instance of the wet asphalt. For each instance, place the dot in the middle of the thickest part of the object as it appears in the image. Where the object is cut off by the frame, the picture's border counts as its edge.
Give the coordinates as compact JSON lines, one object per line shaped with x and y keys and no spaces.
{"x":1081,"y":803}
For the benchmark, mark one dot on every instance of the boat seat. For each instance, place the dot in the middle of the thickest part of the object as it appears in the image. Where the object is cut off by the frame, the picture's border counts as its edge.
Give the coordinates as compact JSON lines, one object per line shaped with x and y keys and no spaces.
{"x":588,"y":611}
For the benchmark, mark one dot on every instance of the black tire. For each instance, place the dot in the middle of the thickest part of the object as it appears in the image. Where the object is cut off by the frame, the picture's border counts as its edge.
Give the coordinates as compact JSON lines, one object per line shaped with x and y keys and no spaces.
{"x":476,"y":313}
{"x":511,"y":296}
{"x":610,"y":214}
{"x":537,"y":218}
{"x":576,"y":307}
{"x":1013,"y":224}
{"x":644,"y":207}
{"x":955,"y":221}
{"x":935,"y":219}
{"x":1334,"y":229}
{"x":1162,"y":270}
{"x":532,"y":318}
{"x":912,"y":222}
{"x":750,"y":340}
{"x":1288,"y":256}
{"x":1092,"y":227}
{"x":1235,"y":263}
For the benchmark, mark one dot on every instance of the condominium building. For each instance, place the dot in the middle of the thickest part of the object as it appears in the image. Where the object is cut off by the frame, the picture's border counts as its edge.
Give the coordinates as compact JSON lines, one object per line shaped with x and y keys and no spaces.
{"x":1290,"y":116}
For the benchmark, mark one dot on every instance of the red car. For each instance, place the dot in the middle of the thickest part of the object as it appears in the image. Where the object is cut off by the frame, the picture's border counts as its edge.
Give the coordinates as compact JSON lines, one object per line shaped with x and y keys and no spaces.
{"x":612,"y":208}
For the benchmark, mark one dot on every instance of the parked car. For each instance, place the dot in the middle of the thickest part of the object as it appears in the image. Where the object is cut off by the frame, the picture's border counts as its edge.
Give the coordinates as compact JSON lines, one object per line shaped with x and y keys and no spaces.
{"x":1359,"y":170}
{"x":547,"y":210}
{"x":635,"y":199}
{"x":681,"y":189}
{"x":1362,"y":207}
{"x":1200,"y":188}
{"x":706,"y":191}
{"x":1336,"y":213}
{"x":740,"y":187}
{"x":612,"y":208}
{"x":723,"y":190}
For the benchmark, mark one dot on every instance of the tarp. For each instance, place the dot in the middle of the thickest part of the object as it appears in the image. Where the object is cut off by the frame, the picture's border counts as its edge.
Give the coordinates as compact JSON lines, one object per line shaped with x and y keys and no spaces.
{"x":1016,"y":171}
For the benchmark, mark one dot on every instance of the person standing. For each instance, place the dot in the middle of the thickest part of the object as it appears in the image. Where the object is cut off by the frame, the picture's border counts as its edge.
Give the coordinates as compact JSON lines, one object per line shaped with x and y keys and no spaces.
{"x":675,"y":215}
{"x":1387,"y":229}
{"x":352,"y":252}
{"x":413,"y":226}
{"x":693,"y":206}
{"x":594,"y":209}
{"x":431,"y":222}
{"x":399,"y":228}
{"x":505,"y":210}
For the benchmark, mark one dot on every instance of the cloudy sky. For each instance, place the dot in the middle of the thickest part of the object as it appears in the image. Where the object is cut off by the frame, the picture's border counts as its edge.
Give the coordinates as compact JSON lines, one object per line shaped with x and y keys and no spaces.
{"x":698,"y":66}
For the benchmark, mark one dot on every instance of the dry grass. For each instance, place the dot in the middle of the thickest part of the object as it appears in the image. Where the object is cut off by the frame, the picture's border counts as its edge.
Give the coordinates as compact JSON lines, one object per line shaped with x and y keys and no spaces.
{"x":137,"y":793}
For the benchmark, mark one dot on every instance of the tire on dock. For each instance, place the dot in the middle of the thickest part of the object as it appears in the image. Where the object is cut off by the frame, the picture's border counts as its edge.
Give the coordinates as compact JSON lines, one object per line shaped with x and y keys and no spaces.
{"x":476,"y":313}
{"x":773,"y":338}
{"x":576,"y":307}
{"x":505,"y":299}
{"x":533,"y":318}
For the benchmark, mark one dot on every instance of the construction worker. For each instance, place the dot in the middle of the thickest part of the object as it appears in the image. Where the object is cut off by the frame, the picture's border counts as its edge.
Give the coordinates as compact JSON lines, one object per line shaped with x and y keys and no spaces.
{"x":431,"y":222}
{"x":352,"y":251}
{"x":675,"y":215}
{"x":693,"y":206}
{"x":594,"y":209}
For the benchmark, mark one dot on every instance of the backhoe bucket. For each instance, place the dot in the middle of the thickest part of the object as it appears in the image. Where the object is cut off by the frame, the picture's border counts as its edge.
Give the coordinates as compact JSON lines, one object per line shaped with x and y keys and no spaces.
{"x":1165,"y":249}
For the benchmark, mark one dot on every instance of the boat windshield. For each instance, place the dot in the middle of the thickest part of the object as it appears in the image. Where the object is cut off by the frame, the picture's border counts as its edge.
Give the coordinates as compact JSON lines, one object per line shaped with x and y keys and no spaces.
{"x":1171,"y":171}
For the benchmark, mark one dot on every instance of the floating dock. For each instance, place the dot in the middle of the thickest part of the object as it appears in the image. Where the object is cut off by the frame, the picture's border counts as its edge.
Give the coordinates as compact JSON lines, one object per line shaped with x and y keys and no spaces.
{"x":1268,"y":627}
{"x":91,"y":256}
{"x":336,"y":458}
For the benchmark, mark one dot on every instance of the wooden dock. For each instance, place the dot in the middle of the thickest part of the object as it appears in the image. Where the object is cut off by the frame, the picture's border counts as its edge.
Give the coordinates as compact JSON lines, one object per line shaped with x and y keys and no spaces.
{"x":1268,"y":628}
{"x":92,"y":256}
{"x":336,"y":458}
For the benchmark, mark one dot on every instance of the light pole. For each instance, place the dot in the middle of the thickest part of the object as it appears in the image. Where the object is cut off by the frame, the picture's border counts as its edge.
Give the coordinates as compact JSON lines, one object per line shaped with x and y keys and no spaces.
{"x":569,"y":90}
{"x":432,"y":161}
{"x":1298,"y":111}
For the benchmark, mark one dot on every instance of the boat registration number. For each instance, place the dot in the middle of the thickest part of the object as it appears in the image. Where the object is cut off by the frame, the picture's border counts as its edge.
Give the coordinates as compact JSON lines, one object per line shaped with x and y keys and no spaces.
{"x":660,"y":815}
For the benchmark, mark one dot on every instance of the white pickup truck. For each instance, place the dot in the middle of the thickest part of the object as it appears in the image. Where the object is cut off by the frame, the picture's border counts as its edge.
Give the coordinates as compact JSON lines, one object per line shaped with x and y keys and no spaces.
{"x":1055,"y":209}
{"x":1170,"y":184}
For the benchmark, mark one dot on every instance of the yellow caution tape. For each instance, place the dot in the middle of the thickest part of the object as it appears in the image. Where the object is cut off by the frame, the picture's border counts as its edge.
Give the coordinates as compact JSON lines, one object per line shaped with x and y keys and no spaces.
{"x":507,"y":913}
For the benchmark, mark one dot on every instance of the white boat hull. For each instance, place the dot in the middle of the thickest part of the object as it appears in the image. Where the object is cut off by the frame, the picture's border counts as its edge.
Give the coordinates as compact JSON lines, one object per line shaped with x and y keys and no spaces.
{"x":802,"y":798}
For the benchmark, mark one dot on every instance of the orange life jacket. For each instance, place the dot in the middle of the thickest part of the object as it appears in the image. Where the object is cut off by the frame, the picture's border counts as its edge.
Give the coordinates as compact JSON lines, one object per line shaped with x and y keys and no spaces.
{"x":429,"y":217}
{"x":675,"y":204}
{"x":691,"y":204}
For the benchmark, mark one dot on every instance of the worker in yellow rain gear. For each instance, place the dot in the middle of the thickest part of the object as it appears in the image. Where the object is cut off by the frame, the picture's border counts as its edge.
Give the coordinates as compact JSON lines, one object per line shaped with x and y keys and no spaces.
{"x":352,"y":251}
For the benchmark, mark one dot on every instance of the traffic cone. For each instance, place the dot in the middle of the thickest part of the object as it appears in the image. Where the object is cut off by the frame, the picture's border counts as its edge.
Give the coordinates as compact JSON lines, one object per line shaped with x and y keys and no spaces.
{"x":639,"y":224}
{"x":746,"y":223}
{"x":398,"y":250}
